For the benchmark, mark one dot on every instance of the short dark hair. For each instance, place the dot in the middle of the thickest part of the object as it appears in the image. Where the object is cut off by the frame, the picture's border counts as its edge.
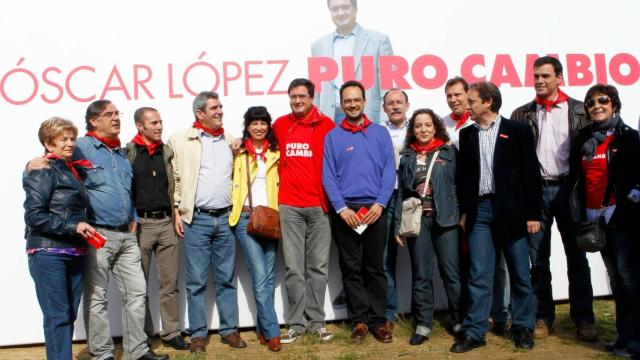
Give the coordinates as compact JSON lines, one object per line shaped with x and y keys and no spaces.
{"x":259,"y":113}
{"x":406,"y":97}
{"x":352,"y":83}
{"x":139,"y":114}
{"x":354,"y":3}
{"x":93,"y":111}
{"x":488,"y":91}
{"x":544,"y":60}
{"x":302,"y":82}
{"x":603,"y":89}
{"x":200,"y":101}
{"x":457,"y":80}
{"x":441,"y":130}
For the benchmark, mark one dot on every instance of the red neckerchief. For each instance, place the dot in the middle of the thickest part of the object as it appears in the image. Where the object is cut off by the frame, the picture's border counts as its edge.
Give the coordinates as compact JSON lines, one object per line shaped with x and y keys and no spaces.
{"x":151,"y":148}
{"x":460,"y":120}
{"x":72,"y":164}
{"x":562,"y":97}
{"x":212,"y":132}
{"x":248,"y":144}
{"x":110,"y":143}
{"x":308,"y":119}
{"x":355,"y":128}
{"x":430,"y":147}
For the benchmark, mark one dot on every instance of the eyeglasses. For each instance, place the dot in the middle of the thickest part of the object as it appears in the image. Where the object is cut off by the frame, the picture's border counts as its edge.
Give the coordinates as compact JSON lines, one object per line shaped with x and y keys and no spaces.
{"x":112,"y":114}
{"x":353,"y":101}
{"x":602,"y":100}
{"x":298,"y":97}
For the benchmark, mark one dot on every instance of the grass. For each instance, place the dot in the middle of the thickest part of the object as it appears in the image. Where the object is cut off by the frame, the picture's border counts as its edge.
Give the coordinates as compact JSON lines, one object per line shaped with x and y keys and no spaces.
{"x":562,"y":345}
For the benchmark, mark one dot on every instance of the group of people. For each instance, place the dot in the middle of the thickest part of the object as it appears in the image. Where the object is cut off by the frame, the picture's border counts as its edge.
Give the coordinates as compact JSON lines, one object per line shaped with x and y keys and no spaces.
{"x":488,"y":187}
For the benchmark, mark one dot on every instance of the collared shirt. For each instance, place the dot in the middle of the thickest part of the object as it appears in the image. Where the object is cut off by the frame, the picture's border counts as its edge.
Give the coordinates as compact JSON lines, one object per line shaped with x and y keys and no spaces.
{"x":454,"y":133}
{"x":216,"y":168}
{"x":108,"y":183}
{"x":398,"y":135}
{"x":554,"y":145}
{"x":343,"y":45}
{"x":487,"y":144}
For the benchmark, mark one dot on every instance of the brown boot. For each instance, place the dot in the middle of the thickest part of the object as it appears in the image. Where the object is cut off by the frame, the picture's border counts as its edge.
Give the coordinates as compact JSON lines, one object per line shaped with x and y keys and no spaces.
{"x":274,"y":344}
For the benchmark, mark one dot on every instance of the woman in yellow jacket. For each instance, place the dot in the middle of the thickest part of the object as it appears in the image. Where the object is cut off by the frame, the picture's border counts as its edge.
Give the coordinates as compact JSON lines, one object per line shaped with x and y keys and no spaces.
{"x":260,"y":146}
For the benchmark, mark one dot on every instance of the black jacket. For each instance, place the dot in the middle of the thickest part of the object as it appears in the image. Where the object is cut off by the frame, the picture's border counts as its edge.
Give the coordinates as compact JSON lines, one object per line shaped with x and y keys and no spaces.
{"x":167,"y":155}
{"x":443,"y":179}
{"x":55,"y":203}
{"x":623,"y":157}
{"x":516,"y":178}
{"x":528,"y":114}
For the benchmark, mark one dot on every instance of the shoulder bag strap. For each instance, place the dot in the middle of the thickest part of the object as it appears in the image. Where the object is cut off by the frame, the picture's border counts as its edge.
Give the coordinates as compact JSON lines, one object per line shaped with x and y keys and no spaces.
{"x":246,"y":158}
{"x":426,"y":181}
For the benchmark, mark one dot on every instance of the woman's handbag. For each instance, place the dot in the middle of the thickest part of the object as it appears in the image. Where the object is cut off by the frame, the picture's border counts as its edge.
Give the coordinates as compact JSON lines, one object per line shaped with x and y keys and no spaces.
{"x":263,"y":220}
{"x":592,"y":235}
{"x":412,"y":208}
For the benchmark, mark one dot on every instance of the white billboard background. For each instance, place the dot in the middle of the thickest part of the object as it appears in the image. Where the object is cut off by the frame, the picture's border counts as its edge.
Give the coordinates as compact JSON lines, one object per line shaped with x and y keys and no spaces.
{"x":56,"y":55}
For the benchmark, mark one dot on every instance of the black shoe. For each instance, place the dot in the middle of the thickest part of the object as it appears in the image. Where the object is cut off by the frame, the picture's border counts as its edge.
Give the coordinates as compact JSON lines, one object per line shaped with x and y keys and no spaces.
{"x":150,"y":355}
{"x":466,"y":344}
{"x":617,"y":345}
{"x":500,"y":329}
{"x":523,"y":339}
{"x":177,"y":343}
{"x":417,"y":339}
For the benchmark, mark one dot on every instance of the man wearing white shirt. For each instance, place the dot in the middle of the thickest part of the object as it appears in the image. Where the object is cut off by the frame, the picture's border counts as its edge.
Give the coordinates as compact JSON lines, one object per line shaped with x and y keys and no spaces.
{"x":456,"y":90}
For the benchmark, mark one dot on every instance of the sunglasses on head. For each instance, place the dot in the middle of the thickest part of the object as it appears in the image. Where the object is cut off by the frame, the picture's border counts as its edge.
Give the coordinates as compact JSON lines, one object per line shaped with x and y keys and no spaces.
{"x":602,"y":100}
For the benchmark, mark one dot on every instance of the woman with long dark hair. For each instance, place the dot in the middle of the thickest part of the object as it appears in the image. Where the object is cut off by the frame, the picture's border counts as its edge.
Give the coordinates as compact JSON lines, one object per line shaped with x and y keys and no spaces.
{"x":426,"y":142}
{"x":260,"y":148}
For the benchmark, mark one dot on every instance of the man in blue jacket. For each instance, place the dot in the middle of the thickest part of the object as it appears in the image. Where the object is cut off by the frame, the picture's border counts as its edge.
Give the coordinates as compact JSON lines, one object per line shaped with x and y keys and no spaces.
{"x":359,"y":178}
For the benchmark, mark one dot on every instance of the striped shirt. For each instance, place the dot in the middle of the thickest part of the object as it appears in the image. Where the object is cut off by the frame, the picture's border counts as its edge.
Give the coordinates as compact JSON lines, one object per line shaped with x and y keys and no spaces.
{"x":487,"y":144}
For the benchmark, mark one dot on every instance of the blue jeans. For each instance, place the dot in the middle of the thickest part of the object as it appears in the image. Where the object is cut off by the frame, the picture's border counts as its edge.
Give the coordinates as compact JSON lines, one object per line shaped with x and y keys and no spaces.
{"x":555,"y":203}
{"x":59,"y":281}
{"x":389,"y":260}
{"x":620,"y":257}
{"x":443,"y":242}
{"x":500,"y":306}
{"x":482,"y":254}
{"x":208,"y":242}
{"x":260,"y":257}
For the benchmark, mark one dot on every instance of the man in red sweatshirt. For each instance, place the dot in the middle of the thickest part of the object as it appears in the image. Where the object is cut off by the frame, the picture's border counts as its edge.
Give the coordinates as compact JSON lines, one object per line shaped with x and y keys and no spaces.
{"x":306,"y":235}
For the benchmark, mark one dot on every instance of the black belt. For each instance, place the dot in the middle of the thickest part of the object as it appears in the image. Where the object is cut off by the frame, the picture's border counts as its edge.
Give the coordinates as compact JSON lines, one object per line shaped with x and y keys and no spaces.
{"x":555,"y":182}
{"x":119,"y":228}
{"x":214,"y":212}
{"x":486,"y":197}
{"x":158,"y":215}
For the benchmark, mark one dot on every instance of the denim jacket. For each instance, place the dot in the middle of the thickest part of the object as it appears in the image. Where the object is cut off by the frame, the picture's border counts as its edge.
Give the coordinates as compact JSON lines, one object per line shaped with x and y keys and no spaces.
{"x":54,"y":205}
{"x":443,"y":181}
{"x":108,"y":183}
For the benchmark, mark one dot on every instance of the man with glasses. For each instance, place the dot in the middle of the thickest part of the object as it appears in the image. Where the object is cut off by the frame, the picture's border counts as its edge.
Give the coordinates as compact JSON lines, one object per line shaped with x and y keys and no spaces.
{"x":202,"y":168}
{"x":306,"y":237}
{"x":556,"y":120}
{"x":113,"y":215}
{"x":350,"y":40}
{"x":359,"y":176}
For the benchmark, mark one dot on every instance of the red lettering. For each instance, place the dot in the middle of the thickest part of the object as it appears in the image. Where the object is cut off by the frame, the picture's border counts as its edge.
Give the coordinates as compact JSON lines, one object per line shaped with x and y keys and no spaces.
{"x":504,"y":72}
{"x":226,"y":77}
{"x":601,"y":68}
{"x":248,"y":76}
{"x":440,"y":72}
{"x":392,"y":72}
{"x":634,"y":69}
{"x":321,"y":68}
{"x":172,"y":94}
{"x":68,"y":87}
{"x":49,"y":82}
{"x":271,"y":90}
{"x":115,"y":74}
{"x":468,"y":66}
{"x":140,"y":83}
{"x":578,"y":73}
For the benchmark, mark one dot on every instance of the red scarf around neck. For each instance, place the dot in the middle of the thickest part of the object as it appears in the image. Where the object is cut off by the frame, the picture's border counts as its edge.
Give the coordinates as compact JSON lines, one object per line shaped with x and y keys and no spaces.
{"x":248,"y":144}
{"x":151,"y":148}
{"x":460,"y":120}
{"x":548,"y":104}
{"x":213,"y":132}
{"x":110,"y":143}
{"x":432,"y":146}
{"x":72,"y":164}
{"x":308,"y":119}
{"x":355,"y":128}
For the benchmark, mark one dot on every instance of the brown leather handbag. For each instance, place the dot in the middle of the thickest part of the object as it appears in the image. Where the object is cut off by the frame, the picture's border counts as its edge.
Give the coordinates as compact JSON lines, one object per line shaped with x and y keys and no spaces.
{"x":263,"y":220}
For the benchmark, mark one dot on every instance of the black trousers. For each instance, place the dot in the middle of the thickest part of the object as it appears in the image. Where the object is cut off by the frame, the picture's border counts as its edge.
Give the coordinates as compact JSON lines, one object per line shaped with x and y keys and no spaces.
{"x":361,"y":265}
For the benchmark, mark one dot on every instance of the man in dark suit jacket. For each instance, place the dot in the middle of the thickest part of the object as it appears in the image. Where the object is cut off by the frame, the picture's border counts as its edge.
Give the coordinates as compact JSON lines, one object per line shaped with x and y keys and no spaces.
{"x":500,"y":195}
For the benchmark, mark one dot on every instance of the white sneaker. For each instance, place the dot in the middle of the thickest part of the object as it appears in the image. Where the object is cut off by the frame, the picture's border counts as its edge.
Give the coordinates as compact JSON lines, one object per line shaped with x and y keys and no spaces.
{"x":324,"y":334}
{"x":290,"y":337}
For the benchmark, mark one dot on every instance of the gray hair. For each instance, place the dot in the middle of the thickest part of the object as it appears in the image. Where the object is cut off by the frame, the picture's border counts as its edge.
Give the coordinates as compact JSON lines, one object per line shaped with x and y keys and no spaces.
{"x":200,"y":102}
